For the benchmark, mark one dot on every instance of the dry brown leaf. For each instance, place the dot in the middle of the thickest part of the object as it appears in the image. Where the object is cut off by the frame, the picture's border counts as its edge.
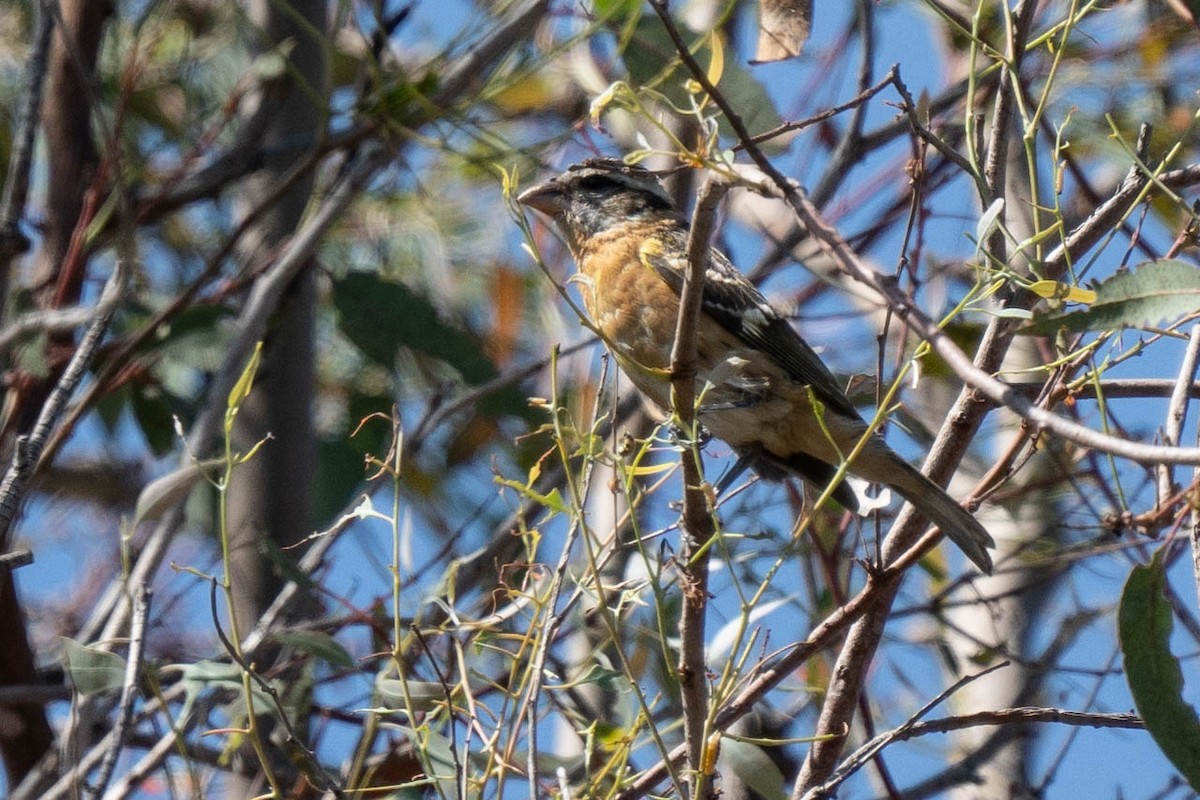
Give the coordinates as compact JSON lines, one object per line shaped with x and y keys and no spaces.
{"x":783,"y":28}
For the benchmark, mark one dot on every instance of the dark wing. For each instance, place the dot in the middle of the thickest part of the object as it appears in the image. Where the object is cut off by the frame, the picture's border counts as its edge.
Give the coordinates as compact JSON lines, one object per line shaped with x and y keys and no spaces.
{"x":813,"y":470}
{"x":740,"y":308}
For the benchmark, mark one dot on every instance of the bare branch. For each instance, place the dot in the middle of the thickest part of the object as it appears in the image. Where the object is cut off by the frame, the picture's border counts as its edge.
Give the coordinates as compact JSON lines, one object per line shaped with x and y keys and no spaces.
{"x":1004,"y":716}
{"x":16,"y":188}
{"x":859,"y":758}
{"x":697,"y":526}
{"x":129,"y":691}
{"x":29,"y":449}
{"x":1177,"y":410}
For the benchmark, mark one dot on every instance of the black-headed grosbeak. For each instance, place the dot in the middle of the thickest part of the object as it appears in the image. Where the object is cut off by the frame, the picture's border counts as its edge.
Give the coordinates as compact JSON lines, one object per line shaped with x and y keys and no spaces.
{"x":765,"y":391}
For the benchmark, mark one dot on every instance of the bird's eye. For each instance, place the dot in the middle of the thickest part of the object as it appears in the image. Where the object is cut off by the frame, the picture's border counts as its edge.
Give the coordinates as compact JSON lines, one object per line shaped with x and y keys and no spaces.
{"x":594,"y":183}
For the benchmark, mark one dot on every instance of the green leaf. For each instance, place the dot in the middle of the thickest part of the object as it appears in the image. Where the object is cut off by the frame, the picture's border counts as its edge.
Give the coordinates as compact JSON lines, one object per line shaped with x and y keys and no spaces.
{"x":198,"y":677}
{"x":318,"y":644}
{"x":31,"y":356}
{"x":339,"y":473}
{"x":754,"y":767}
{"x":111,"y":406}
{"x":153,"y":414}
{"x":612,"y":8}
{"x":607,"y":679}
{"x":245,"y":382}
{"x":273,"y":63}
{"x":196,"y":320}
{"x":379,"y":317}
{"x":1155,"y":291}
{"x":425,"y":696}
{"x":91,"y":669}
{"x":201,"y":676}
{"x":1155,"y":679}
{"x":171,"y":489}
{"x":436,"y":753}
{"x":403,"y":101}
{"x":553,"y":500}
{"x":286,"y":567}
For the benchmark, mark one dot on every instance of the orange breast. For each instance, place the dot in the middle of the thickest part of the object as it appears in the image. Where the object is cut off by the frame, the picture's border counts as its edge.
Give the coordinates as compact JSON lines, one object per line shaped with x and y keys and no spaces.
{"x":632,"y":306}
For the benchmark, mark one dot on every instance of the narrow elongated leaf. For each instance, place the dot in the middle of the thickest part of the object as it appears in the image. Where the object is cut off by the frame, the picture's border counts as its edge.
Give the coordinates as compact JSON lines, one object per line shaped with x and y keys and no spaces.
{"x":1054,"y":290}
{"x":245,"y":382}
{"x":397,"y":693}
{"x":1154,"y":292}
{"x":989,"y":220}
{"x":1155,"y":679}
{"x":171,"y":489}
{"x":318,"y":644}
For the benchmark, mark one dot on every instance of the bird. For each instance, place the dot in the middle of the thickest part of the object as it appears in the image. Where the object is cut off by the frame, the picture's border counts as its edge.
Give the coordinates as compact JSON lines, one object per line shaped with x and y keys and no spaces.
{"x":764,"y":390}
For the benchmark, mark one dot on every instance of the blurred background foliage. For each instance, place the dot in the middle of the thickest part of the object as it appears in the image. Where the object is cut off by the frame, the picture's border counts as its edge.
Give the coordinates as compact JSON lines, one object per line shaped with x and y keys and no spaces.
{"x":431,"y":319}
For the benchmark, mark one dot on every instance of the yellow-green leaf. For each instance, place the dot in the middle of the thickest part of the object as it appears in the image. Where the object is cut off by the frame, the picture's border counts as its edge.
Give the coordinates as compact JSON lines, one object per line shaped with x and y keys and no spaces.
{"x":716,"y":66}
{"x":1053,"y":290}
{"x":241,"y":389}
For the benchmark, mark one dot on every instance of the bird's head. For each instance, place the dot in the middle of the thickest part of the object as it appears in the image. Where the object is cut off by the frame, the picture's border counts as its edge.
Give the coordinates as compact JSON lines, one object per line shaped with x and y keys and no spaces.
{"x":598,"y":194}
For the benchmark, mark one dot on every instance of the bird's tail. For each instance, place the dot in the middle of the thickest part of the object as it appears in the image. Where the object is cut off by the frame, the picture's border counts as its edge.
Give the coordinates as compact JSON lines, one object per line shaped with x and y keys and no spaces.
{"x":942,"y":510}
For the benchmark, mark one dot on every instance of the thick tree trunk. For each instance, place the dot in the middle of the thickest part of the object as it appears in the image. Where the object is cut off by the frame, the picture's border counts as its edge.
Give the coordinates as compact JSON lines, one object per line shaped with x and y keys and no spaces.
{"x":270,"y":497}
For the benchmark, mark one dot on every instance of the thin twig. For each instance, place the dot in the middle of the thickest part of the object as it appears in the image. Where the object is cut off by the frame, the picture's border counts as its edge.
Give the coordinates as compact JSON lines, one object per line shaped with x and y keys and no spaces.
{"x":856,"y":760}
{"x":909,"y":107}
{"x":460,"y":775}
{"x":45,"y":782}
{"x":313,"y":769}
{"x":774,"y":673}
{"x":129,"y":690}
{"x":49,"y":320}
{"x":1194,"y":528}
{"x":1109,"y":214}
{"x":799,"y":125}
{"x":554,"y":621}
{"x":839,"y":250}
{"x":250,"y":327}
{"x":309,"y":563}
{"x":1177,"y":410}
{"x":16,"y":188}
{"x":471,"y":396}
{"x":1005,"y":716}
{"x":848,"y":151}
{"x":1110,"y":388}
{"x":167,"y":744}
{"x":28,"y":448}
{"x":982,"y":380}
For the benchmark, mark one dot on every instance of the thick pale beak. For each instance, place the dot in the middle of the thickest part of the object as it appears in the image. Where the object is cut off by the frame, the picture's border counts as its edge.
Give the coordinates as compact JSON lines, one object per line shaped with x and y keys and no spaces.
{"x":546,"y":198}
